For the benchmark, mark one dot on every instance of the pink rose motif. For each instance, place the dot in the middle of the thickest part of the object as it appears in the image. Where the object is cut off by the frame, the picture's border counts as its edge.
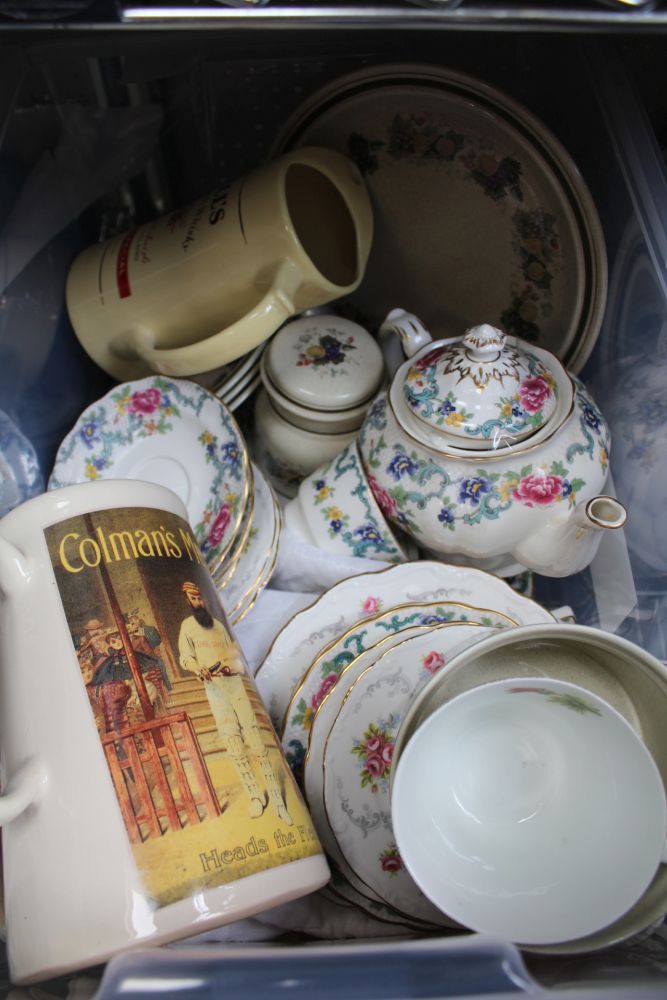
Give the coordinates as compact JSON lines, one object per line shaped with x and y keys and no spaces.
{"x":370,"y":606}
{"x":538,"y":491}
{"x":375,"y":765}
{"x":391,"y":863}
{"x":219,"y":526}
{"x":533,"y":393}
{"x":146,"y":401}
{"x":327,"y":684}
{"x":433,"y":661}
{"x":387,"y":753}
{"x":374,"y":744}
{"x":430,"y":358}
{"x":386,"y":503}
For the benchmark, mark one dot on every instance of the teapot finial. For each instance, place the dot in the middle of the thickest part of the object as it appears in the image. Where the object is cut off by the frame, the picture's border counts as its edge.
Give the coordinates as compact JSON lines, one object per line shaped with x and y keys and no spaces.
{"x":483,"y":342}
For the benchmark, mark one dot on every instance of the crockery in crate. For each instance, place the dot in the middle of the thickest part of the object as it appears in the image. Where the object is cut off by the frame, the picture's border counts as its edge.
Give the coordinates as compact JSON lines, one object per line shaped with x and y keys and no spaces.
{"x":325,"y":670}
{"x":359,"y":598}
{"x":224,"y":569}
{"x":231,"y":379}
{"x":531,"y":809}
{"x":258,"y":555}
{"x":309,"y":772}
{"x":486,"y":451}
{"x":169,"y":432}
{"x":195,"y":289}
{"x":319,"y":374}
{"x":349,"y":760}
{"x":479,"y":210}
{"x":137,"y":727}
{"x":627,"y":678}
{"x":336,"y":510}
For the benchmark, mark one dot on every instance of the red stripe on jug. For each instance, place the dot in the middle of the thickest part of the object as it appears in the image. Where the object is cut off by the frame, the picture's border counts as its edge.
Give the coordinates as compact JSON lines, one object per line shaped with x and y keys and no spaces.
{"x":122,"y":273}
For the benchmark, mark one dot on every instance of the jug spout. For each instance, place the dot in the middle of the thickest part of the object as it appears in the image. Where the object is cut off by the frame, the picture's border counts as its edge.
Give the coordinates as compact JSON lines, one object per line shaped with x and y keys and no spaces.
{"x":14,"y":572}
{"x":570,"y":545}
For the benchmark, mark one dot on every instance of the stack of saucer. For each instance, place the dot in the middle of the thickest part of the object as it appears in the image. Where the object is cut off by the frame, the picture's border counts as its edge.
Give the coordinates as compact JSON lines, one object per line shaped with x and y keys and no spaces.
{"x":175,"y":433}
{"x":338,"y":680}
{"x":543,"y":824}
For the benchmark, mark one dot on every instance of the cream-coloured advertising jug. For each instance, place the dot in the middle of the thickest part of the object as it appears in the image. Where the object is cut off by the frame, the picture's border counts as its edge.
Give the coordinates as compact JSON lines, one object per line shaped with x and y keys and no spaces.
{"x":195,"y":289}
{"x":145,"y":794}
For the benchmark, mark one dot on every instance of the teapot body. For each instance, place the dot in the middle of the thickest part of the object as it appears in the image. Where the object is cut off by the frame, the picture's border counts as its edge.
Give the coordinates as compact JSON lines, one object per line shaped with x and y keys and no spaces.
{"x":500,"y":510}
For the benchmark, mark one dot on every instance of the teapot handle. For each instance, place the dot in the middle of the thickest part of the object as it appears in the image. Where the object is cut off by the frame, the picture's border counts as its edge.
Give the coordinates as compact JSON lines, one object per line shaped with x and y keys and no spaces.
{"x":411,"y":332}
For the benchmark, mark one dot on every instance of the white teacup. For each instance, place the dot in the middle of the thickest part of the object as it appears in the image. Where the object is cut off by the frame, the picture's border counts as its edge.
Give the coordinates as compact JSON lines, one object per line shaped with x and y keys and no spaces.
{"x":531,"y":809}
{"x":335,"y":509}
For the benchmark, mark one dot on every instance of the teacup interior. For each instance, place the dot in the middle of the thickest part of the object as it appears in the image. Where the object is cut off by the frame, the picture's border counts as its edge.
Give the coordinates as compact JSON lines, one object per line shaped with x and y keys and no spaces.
{"x":528,"y":807}
{"x":628,"y":684}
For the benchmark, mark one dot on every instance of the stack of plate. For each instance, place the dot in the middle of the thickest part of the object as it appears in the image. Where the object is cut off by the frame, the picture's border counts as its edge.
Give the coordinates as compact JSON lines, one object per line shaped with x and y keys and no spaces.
{"x":480,"y":214}
{"x":177,"y":434}
{"x":338,"y":680}
{"x":235,"y":382}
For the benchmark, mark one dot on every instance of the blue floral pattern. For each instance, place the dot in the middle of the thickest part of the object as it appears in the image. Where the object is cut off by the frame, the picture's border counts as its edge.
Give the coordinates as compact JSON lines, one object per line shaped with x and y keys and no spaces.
{"x":404,"y":482}
{"x":152,"y":407}
{"x":369,"y":537}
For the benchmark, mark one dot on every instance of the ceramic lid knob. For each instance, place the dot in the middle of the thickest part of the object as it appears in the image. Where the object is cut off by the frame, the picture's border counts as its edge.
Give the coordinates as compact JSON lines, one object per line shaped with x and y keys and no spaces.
{"x":483,"y":391}
{"x":324,"y":362}
{"x":484,"y":342}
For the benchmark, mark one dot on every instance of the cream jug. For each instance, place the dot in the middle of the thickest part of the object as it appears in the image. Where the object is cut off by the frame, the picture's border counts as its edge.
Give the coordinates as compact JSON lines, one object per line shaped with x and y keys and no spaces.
{"x":127,"y":819}
{"x":195,"y":289}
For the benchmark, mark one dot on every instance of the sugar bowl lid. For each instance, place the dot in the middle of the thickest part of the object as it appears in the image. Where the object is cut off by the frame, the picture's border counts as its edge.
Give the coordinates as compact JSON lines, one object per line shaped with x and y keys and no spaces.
{"x":324,"y":362}
{"x":481,"y":390}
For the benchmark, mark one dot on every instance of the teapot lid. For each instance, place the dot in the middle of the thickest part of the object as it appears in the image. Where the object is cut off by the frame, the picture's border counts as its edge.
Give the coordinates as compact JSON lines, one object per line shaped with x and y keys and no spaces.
{"x":480,"y":389}
{"x":324,"y":362}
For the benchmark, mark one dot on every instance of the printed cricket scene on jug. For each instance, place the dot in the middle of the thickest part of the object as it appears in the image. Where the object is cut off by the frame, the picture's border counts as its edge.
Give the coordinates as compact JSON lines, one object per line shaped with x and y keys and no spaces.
{"x":204,"y":791}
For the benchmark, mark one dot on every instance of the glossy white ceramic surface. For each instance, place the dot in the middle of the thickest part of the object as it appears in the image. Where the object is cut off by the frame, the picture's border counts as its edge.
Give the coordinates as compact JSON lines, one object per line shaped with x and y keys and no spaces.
{"x":366,"y":595}
{"x":286,"y":452}
{"x":336,"y":508}
{"x":324,"y":362}
{"x":172,"y":433}
{"x":529,"y":808}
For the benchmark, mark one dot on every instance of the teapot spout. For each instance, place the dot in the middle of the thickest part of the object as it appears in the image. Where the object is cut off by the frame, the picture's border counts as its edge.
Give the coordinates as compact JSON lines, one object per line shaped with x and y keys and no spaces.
{"x":602,"y":513}
{"x":569,"y":546}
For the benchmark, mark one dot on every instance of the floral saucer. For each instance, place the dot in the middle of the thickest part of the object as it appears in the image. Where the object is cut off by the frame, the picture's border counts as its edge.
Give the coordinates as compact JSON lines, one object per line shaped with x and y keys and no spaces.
{"x":170,"y":432}
{"x":222,"y":572}
{"x":340,"y":890}
{"x":258,"y":557}
{"x":350,"y":760}
{"x":325,"y":670}
{"x":363,"y":596}
{"x":323,"y":720}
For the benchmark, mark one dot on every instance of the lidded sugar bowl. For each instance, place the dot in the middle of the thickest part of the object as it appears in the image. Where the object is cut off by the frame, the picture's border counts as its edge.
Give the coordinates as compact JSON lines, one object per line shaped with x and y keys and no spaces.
{"x":489,"y":453}
{"x":319,"y":374}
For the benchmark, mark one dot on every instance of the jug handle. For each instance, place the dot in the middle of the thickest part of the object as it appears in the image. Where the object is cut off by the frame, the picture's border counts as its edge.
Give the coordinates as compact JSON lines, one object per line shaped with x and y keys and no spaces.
{"x":23,"y":788}
{"x":253,"y":329}
{"x":14,"y":570}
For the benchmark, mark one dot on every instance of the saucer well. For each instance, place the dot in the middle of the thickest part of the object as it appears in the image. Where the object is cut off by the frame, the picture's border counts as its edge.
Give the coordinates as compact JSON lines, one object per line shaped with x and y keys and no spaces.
{"x":170,"y":432}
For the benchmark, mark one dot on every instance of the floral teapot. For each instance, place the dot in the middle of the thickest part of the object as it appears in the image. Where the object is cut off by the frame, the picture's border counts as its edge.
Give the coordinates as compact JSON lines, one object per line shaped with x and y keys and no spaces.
{"x":488,"y":453}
